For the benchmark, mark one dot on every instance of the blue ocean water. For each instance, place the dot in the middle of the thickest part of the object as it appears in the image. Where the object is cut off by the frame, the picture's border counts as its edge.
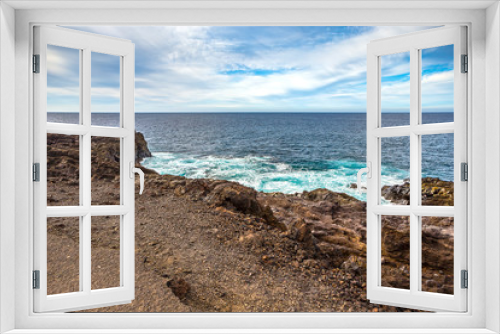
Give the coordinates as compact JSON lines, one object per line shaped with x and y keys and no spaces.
{"x":281,"y":152}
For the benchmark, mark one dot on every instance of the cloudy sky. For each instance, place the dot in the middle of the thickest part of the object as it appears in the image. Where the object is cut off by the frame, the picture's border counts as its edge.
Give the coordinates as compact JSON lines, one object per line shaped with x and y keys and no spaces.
{"x":217,"y":69}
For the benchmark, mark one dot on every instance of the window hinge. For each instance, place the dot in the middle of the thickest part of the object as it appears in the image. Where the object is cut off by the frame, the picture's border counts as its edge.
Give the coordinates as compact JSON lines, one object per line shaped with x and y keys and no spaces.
{"x":36,"y":63}
{"x":36,"y":279}
{"x":36,"y":172}
{"x":465,"y":64}
{"x":465,"y":279}
{"x":464,"y":171}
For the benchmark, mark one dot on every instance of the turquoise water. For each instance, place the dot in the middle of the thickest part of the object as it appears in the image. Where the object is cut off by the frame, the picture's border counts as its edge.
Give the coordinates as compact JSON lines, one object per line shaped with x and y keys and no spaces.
{"x":286,"y":153}
{"x":281,"y":152}
{"x":262,"y":174}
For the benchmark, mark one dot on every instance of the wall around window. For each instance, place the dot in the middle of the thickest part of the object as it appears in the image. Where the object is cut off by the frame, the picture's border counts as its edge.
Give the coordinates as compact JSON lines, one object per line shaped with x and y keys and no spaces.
{"x":7,"y":158}
{"x":477,"y":127}
{"x":492,"y":163}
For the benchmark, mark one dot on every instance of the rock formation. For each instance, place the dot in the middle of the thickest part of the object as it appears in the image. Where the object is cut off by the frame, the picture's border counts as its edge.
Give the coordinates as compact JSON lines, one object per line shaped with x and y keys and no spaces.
{"x":434,"y":192}
{"x":269,"y":244}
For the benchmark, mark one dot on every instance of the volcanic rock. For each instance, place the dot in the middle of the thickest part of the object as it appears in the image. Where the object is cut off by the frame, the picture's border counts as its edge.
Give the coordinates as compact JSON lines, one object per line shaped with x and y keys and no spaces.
{"x":243,"y":250}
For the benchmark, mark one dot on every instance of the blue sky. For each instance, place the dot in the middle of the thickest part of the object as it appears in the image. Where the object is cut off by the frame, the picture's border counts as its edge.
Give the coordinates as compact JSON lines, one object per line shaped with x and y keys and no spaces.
{"x":207,"y":69}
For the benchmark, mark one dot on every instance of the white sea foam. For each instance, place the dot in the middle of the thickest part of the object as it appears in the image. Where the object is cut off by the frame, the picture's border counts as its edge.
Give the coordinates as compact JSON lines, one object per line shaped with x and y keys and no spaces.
{"x":262,"y":174}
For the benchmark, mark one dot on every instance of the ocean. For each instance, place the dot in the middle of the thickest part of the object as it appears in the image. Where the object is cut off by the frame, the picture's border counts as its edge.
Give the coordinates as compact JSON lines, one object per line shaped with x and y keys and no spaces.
{"x":280,"y":152}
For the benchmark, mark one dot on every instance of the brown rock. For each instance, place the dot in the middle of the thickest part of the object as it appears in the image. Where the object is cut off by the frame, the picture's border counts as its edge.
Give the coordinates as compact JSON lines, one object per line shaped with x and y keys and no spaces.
{"x":434,"y":192}
{"x":242,"y":199}
{"x":141,"y":148}
{"x":179,"y":287}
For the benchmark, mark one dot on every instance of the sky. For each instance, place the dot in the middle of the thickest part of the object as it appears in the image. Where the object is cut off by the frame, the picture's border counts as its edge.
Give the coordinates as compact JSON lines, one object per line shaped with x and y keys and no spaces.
{"x":250,"y":69}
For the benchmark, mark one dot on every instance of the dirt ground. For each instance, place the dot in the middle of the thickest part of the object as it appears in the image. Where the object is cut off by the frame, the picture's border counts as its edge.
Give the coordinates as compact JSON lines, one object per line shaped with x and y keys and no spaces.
{"x":192,"y":258}
{"x":216,"y":246}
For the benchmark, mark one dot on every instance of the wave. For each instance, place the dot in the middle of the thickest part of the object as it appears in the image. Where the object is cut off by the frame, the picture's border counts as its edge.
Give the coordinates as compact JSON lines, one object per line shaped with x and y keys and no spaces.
{"x":264,"y":174}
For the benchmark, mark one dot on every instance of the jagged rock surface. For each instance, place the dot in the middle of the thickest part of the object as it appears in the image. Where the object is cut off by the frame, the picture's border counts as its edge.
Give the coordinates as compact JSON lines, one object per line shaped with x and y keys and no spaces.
{"x":217,"y":246}
{"x":434,"y":192}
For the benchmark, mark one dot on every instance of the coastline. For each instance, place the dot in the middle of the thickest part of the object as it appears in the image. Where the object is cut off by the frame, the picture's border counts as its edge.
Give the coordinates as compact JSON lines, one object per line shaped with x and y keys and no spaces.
{"x":217,"y":246}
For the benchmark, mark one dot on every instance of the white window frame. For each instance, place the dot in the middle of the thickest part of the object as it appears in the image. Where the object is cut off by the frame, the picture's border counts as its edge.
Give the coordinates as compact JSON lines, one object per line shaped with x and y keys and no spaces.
{"x":483,"y":125}
{"x":413,"y":44}
{"x":86,"y":44}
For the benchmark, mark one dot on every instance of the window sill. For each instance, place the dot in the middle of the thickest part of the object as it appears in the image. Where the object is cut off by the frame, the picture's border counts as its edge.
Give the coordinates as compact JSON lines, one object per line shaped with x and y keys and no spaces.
{"x":252,"y":331}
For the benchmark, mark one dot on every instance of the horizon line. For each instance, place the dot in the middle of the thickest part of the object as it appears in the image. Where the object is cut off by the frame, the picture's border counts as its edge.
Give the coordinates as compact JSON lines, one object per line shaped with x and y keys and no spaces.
{"x":251,"y":112}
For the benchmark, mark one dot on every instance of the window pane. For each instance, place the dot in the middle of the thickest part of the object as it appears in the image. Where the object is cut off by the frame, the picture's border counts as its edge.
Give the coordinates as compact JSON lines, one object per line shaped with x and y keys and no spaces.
{"x":437,"y":84}
{"x":63,"y":255}
{"x":438,"y":169}
{"x":395,"y":89}
{"x":63,"y":170}
{"x":105,"y":171}
{"x":105,"y":252}
{"x":437,"y":254}
{"x":395,"y":251}
{"x":395,"y":169}
{"x":63,"y":85}
{"x":105,"y":90}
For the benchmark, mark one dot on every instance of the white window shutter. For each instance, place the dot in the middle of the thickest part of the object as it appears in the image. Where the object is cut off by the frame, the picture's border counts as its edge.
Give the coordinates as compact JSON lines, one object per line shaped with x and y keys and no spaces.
{"x":415,"y":297}
{"x":85,"y":297}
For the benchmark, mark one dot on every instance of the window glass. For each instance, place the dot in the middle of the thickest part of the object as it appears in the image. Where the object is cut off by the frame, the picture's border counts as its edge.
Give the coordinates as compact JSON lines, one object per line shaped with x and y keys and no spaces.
{"x":395,"y":168}
{"x":105,"y":90}
{"x":395,"y":89}
{"x":63,"y":255}
{"x":437,"y":254}
{"x":438,"y":169}
{"x":63,"y":170}
{"x":63,"y":85}
{"x":105,"y":252}
{"x":437,"y":84}
{"x":105,"y":171}
{"x":395,"y":263}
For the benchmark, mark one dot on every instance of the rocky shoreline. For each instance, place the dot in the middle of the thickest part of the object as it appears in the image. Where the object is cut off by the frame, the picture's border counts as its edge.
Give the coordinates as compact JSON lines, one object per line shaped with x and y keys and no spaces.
{"x":217,"y":246}
{"x":435,"y":192}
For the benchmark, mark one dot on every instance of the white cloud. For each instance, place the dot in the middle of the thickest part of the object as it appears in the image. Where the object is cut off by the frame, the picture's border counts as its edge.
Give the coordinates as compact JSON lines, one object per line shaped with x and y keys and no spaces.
{"x":187,"y":67}
{"x":63,"y":91}
{"x":440,"y":77}
{"x":60,"y":63}
{"x":107,"y":92}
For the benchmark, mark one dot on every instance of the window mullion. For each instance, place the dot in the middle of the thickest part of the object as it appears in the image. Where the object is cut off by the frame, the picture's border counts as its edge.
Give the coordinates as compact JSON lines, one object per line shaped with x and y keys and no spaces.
{"x":85,"y":170}
{"x":85,"y":243}
{"x":415,"y":267}
{"x":85,"y":250}
{"x":85,"y":86}
{"x":85,"y":159}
